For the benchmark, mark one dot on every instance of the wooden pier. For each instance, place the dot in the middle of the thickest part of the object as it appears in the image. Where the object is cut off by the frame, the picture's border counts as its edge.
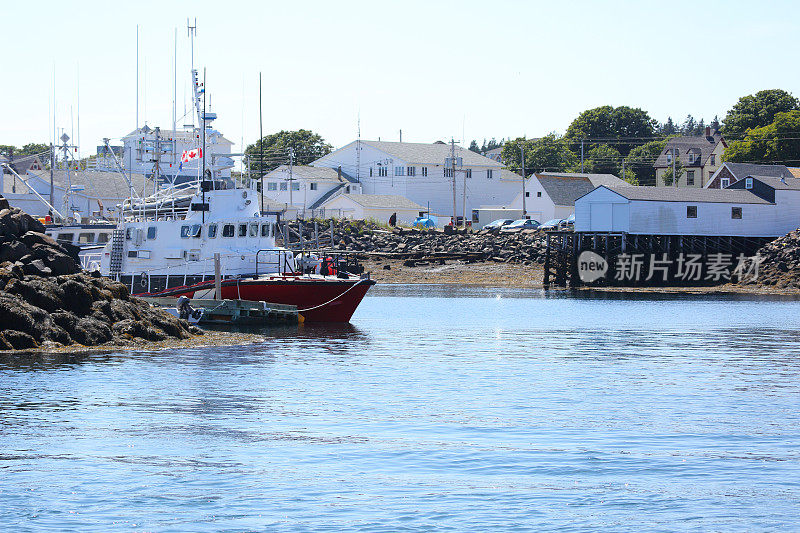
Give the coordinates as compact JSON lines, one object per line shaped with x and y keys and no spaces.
{"x":238,"y":312}
{"x":565,"y":247}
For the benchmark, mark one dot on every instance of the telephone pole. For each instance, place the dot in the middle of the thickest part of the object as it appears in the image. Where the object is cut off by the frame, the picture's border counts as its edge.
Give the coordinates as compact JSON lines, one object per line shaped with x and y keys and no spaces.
{"x":453,"y":175}
{"x":522,"y":154}
{"x":581,"y":156}
{"x":291,"y":178}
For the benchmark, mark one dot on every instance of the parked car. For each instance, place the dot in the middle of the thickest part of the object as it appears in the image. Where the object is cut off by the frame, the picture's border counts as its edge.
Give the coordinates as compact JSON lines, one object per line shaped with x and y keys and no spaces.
{"x":569,"y":222}
{"x":553,"y":224}
{"x":519,"y":225}
{"x":495,"y":225}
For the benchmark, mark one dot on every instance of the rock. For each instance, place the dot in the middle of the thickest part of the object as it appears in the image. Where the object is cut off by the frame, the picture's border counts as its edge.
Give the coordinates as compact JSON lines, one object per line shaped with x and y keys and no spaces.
{"x":18,"y":340}
{"x":13,"y":251}
{"x":37,"y":268}
{"x":3,"y":203}
{"x":90,"y":331}
{"x":77,"y":297}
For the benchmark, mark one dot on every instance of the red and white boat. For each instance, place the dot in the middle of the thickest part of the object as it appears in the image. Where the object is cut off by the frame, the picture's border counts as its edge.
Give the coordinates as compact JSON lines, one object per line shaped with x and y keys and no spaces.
{"x":163,"y":250}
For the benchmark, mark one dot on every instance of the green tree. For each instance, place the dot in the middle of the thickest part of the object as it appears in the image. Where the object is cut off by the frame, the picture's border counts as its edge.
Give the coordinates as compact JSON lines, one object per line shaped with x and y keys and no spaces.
{"x":668,"y":128}
{"x":307,"y":146}
{"x":33,"y":148}
{"x":667,"y":176}
{"x":774,"y":143}
{"x":640,"y":162}
{"x":550,"y":153}
{"x":757,"y":110}
{"x":602,"y":159}
{"x":473,"y":146}
{"x":611,"y":122}
{"x":715,"y":124}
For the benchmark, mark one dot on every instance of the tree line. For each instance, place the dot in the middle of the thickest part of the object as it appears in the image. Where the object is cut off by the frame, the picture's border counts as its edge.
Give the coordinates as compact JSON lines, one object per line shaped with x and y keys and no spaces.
{"x":760,"y":128}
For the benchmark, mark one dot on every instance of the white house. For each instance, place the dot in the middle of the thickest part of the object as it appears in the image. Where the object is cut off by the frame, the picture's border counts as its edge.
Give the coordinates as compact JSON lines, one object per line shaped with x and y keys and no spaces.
{"x":550,"y":195}
{"x":305,"y":187}
{"x":422,"y":173}
{"x":378,"y":207}
{"x":755,"y":207}
{"x":141,"y":146}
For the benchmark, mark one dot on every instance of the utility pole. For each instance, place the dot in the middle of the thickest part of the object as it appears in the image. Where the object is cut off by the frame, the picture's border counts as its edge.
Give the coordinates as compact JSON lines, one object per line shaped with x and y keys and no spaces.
{"x":464,"y":200}
{"x":52,"y":169}
{"x":674,"y":157}
{"x":623,"y":168}
{"x":522,"y":154}
{"x":453,"y":175}
{"x":581,"y":156}
{"x":291,"y":178}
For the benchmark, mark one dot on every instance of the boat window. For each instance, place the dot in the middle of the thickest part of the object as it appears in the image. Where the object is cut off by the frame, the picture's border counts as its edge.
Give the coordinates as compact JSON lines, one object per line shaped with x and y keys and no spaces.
{"x":228,"y":230}
{"x":274,"y":227}
{"x":185,"y":232}
{"x":254,"y":230}
{"x":102,"y":238}
{"x":128,"y":234}
{"x":212,"y":231}
{"x":85,"y":238}
{"x":151,"y":233}
{"x":265,"y":230}
{"x":194,"y":231}
{"x":65,"y":237}
{"x":242,"y":230}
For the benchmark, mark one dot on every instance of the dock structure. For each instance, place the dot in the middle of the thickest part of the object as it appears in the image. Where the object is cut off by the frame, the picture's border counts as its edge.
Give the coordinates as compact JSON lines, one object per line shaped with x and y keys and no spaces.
{"x":669,"y":255}
{"x":237,"y":312}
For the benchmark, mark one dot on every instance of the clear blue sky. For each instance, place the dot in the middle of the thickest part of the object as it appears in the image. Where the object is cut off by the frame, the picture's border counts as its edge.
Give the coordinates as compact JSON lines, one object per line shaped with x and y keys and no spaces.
{"x":431,"y":68}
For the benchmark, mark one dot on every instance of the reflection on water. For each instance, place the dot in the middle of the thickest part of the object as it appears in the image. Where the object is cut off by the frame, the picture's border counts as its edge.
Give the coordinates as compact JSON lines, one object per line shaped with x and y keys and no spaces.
{"x":438,"y":408}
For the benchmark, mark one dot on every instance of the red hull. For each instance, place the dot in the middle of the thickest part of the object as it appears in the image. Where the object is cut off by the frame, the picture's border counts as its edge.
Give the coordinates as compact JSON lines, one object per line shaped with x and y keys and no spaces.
{"x":318,"y":300}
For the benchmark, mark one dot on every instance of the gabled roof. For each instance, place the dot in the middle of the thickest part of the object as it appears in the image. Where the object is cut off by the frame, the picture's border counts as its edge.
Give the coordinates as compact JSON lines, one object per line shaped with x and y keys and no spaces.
{"x":383,"y":201}
{"x":430,"y":153}
{"x":688,"y":194}
{"x":564,"y":188}
{"x":96,"y":184}
{"x":324,"y":198}
{"x":785,"y":184}
{"x":741,"y":170}
{"x":22,"y":165}
{"x":696,"y":144}
{"x":305,"y":172}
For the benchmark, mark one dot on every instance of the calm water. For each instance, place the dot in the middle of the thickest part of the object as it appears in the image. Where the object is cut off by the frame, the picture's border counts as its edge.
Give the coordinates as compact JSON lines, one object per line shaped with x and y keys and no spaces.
{"x":437,"y":409}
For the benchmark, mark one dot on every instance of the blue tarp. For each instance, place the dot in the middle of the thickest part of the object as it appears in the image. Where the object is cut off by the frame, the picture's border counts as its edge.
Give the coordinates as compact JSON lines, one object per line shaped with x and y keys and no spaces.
{"x":425,"y":222}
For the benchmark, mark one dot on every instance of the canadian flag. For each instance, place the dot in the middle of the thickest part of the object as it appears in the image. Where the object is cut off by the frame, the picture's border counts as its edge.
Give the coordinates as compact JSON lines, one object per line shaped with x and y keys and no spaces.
{"x":189,"y":155}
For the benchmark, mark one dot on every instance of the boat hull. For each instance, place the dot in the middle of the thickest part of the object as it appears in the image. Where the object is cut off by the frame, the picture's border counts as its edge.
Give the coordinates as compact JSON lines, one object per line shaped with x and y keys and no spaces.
{"x":318,"y":299}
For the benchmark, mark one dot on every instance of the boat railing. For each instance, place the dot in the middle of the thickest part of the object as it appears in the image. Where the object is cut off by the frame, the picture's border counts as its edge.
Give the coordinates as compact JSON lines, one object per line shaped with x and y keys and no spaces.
{"x":307,"y":260}
{"x":90,"y":257}
{"x":281,"y":259}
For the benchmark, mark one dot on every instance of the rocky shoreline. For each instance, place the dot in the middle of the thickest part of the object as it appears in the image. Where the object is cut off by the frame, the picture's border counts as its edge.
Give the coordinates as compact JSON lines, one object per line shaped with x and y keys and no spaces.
{"x":47,"y":301}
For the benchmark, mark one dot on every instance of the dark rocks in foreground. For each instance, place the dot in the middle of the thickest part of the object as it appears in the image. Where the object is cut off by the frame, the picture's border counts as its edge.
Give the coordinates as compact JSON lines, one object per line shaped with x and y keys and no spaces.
{"x":47,"y":301}
{"x":780,"y":266}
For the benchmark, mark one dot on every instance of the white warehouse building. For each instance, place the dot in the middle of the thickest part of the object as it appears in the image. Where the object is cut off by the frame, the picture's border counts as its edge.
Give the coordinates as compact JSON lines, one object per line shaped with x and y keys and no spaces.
{"x":757,"y":206}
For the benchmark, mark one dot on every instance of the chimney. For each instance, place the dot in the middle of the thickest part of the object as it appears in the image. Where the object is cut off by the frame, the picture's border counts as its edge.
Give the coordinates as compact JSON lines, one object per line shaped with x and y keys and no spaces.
{"x":339,"y":172}
{"x":708,"y":131}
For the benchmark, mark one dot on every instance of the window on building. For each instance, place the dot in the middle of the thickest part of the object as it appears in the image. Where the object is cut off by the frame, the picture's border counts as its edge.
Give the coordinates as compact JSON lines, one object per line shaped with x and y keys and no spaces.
{"x":398,"y":171}
{"x":724,"y":182}
{"x":691,"y":157}
{"x":468,"y":172}
{"x":691,"y":211}
{"x":284,"y":186}
{"x":448,"y":172}
{"x":539,"y":194}
{"x":736,"y":213}
{"x":475,"y":219}
{"x":713,"y":159}
{"x":669,"y":156}
{"x":151,"y":233}
{"x":212,"y":231}
{"x":228,"y":230}
{"x":489,"y":174}
{"x":295,"y":186}
{"x":313,"y":186}
{"x":527,"y":194}
{"x":370,"y":172}
{"x":383,"y":172}
{"x":272,"y":186}
{"x":748,"y":183}
{"x":411,"y":171}
{"x":690,"y":177}
{"x":242,"y":230}
{"x":424,"y":171}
